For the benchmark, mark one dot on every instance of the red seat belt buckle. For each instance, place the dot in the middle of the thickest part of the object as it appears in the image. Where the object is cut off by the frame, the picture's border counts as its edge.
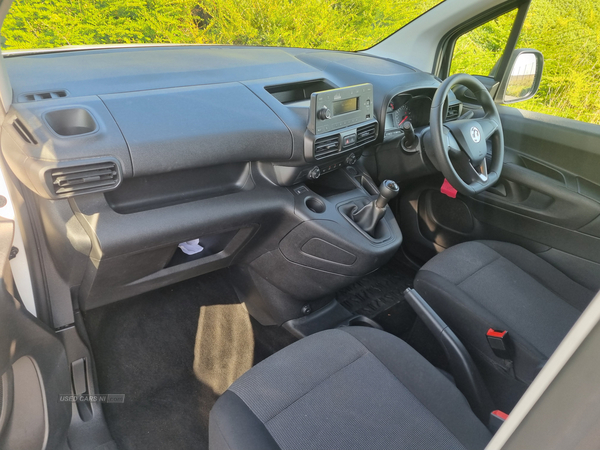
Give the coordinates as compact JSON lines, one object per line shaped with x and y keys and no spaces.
{"x":500,"y":414}
{"x":499,"y":343}
{"x":448,"y":190}
{"x":496,"y":334}
{"x":497,"y":418}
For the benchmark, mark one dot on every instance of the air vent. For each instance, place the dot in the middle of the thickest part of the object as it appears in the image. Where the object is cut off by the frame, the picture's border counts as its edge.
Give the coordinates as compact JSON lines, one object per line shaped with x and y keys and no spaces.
{"x":327,"y":146}
{"x":453,"y":112}
{"x":69,"y":181}
{"x":366,"y":134}
{"x":23,"y":132}
{"x":37,"y":96}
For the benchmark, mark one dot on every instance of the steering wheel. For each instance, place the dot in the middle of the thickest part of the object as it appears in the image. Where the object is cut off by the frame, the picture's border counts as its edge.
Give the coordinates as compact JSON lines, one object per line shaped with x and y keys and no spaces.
{"x":460,"y":147}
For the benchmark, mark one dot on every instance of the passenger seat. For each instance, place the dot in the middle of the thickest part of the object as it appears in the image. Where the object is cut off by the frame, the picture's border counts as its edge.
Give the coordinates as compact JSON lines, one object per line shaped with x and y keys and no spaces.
{"x":348,"y":388}
{"x":481,"y":286}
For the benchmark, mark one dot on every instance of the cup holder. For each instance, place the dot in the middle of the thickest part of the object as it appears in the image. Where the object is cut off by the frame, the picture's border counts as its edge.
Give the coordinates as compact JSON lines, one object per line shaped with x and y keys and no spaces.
{"x":71,"y":122}
{"x":315,"y":205}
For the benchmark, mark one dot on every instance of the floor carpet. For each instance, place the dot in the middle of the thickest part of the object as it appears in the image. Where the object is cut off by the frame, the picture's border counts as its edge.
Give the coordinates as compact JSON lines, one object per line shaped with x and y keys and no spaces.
{"x":146,"y":347}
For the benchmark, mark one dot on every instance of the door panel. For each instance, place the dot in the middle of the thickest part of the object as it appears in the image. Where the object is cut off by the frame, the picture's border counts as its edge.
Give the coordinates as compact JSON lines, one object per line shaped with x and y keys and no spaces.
{"x":33,"y":370}
{"x":538,"y":196}
{"x":547,"y":200}
{"x":570,"y":146}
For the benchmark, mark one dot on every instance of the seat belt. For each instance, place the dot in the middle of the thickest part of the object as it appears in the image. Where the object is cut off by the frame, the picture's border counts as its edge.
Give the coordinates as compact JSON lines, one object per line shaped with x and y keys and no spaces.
{"x":500,"y":343}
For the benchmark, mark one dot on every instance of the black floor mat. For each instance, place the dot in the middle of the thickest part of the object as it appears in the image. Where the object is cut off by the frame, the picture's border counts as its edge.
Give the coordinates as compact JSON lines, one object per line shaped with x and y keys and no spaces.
{"x":380,"y":290}
{"x":144,"y":348}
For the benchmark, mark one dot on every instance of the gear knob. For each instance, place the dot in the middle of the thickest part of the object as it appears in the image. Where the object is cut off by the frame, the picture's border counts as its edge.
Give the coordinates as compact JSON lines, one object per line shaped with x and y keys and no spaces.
{"x":387,"y":191}
{"x":369,"y":215}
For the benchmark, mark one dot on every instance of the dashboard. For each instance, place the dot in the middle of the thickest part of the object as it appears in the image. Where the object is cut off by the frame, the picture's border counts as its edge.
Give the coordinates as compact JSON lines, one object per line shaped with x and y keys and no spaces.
{"x":134,"y":150}
{"x":194,"y":106}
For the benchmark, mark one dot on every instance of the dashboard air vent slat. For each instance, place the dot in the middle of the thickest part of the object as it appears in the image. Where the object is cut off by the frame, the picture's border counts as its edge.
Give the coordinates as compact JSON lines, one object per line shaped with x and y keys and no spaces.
{"x":453,"y":112}
{"x":366,"y":134}
{"x":83,"y":179}
{"x":327,"y":146}
{"x":37,"y":96}
{"x":24,"y":132}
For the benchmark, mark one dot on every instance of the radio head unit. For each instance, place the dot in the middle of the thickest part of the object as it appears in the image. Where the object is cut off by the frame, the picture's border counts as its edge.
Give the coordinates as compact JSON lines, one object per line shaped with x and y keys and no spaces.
{"x":340,"y":108}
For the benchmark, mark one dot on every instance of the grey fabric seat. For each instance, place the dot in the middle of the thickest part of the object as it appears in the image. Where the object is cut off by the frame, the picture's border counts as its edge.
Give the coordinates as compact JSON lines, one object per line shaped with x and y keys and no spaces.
{"x":350,"y":388}
{"x":479,"y":285}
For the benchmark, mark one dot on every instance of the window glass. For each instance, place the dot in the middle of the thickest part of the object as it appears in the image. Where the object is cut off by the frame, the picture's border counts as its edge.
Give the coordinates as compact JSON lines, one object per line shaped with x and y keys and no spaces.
{"x":567,"y":33}
{"x":477,"y":51}
{"x":329,"y":24}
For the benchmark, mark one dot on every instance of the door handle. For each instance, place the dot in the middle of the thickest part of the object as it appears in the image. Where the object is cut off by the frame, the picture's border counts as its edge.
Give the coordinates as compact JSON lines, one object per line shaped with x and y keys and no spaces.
{"x":498,"y":189}
{"x":532,"y":194}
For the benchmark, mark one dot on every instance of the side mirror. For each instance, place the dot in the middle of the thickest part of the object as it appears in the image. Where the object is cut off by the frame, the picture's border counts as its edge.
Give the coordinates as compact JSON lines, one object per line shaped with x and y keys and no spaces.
{"x":521,"y":80}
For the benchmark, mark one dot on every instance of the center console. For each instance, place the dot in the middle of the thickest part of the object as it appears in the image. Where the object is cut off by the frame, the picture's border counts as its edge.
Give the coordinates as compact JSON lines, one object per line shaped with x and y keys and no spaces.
{"x":340,"y":122}
{"x":328,"y":250}
{"x":341,"y":229}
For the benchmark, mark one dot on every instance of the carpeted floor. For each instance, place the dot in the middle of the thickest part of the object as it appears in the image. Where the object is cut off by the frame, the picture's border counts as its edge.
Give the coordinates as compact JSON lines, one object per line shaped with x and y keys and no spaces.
{"x":148,"y":348}
{"x":380,"y":290}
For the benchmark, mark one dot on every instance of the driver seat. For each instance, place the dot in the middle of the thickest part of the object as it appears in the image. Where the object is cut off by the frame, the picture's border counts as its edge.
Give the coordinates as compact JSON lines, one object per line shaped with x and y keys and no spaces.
{"x":478,"y":285}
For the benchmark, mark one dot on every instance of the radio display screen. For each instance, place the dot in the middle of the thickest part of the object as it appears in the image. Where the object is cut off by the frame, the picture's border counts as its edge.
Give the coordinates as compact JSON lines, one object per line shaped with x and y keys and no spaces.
{"x":345,"y":106}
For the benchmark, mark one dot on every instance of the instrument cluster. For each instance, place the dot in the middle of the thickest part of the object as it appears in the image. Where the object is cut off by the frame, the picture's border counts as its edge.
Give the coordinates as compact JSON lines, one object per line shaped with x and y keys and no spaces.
{"x":406,"y":107}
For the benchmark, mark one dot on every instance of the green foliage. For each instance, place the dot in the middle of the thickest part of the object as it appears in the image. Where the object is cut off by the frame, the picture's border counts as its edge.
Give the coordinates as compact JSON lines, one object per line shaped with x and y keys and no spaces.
{"x":55,"y":23}
{"x":476,"y":52}
{"x":331,"y":24}
{"x":567,"y":32}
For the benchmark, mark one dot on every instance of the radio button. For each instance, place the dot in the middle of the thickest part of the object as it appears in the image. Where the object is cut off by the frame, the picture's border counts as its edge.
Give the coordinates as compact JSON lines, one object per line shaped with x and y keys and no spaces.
{"x":324,"y":113}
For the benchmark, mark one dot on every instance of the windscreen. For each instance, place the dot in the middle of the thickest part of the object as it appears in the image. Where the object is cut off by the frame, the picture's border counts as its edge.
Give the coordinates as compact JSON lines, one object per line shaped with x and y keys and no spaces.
{"x":326,"y":24}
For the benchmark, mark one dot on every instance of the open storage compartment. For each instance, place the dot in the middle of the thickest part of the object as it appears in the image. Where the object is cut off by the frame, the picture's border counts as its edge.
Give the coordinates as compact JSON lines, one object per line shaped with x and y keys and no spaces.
{"x":332,"y":183}
{"x":71,"y":122}
{"x":297,"y":92}
{"x":131,"y":274}
{"x":212,"y":244}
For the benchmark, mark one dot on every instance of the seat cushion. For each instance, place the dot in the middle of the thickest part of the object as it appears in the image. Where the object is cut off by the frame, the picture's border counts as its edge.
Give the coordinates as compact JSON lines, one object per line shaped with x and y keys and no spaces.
{"x":350,"y":388}
{"x":479,"y":285}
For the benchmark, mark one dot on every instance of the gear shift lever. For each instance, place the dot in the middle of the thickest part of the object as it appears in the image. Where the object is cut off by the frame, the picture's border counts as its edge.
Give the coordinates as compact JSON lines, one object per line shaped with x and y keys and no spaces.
{"x":369,"y":215}
{"x":387,"y":191}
